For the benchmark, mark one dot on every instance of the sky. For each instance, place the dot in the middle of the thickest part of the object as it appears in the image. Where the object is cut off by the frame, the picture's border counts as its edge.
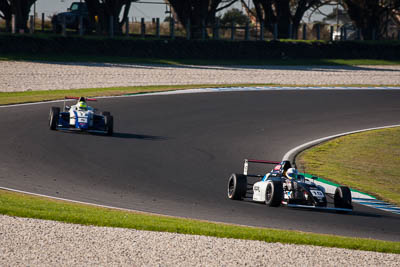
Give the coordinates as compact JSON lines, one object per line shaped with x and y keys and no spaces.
{"x":137,"y":11}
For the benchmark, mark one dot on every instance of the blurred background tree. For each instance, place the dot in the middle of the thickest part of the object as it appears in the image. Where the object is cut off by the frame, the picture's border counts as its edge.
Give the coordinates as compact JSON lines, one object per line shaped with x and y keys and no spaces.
{"x":283,"y":13}
{"x":235,"y":16}
{"x":372,"y":16}
{"x":19,"y":8}
{"x":101,"y":11}
{"x":198,"y":12}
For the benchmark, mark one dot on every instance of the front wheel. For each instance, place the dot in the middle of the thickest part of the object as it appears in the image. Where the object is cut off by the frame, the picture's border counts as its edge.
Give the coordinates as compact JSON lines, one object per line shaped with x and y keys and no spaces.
{"x":109,"y":123}
{"x":274,"y":193}
{"x":53,"y":117}
{"x":237,"y":186}
{"x":342,"y":198}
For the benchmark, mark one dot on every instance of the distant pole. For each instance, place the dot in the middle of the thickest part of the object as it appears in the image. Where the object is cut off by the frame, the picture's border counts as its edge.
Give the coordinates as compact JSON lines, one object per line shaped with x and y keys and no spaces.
{"x":142,"y":28}
{"x":31,"y":24}
{"x":331,"y":32}
{"x":290,"y":30}
{"x":344,"y":33}
{"x":42,"y":22}
{"x":318,"y":32}
{"x":275,"y":31}
{"x":126,"y":26}
{"x":304,"y":31}
{"x":13,"y":24}
{"x":261,"y":31}
{"x":64,"y":26}
{"x":203,"y":30}
{"x":172,"y":28}
{"x":232,"y":30}
{"x":246,"y":31}
{"x":81,"y":30}
{"x":216,"y":30}
{"x":111,"y":29}
{"x":188,"y":30}
{"x":158,"y":27}
{"x":54,"y":26}
{"x":341,"y":33}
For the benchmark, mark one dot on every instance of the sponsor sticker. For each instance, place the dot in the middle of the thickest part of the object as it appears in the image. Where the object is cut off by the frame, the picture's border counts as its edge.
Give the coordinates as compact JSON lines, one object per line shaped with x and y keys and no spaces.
{"x":317,"y":193}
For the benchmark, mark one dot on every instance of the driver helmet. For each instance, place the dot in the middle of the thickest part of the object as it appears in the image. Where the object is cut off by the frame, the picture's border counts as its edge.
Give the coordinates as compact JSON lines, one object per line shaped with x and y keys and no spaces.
{"x":291,"y":173}
{"x":82,"y":105}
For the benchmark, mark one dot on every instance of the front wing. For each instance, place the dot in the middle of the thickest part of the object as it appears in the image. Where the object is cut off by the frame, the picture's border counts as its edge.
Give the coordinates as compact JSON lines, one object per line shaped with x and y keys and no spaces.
{"x":73,"y":129}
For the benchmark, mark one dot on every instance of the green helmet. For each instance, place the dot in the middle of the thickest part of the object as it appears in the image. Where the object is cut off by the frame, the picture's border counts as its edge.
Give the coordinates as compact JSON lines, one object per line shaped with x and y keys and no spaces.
{"x":82,"y":105}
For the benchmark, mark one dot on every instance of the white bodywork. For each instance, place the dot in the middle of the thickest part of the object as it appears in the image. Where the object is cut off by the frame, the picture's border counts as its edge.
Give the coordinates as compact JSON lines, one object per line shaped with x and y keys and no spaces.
{"x":259,"y":189}
{"x":83,"y":116}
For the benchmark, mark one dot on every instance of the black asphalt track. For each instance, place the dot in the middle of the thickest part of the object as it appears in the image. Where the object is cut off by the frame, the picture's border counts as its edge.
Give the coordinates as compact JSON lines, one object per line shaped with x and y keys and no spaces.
{"x":173,"y":154}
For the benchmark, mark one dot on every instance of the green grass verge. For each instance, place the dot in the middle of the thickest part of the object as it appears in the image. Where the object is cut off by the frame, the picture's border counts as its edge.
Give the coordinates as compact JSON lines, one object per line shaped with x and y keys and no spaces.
{"x":16,"y":204}
{"x":129,"y":60}
{"x":368,"y":162}
{"x":48,"y":95}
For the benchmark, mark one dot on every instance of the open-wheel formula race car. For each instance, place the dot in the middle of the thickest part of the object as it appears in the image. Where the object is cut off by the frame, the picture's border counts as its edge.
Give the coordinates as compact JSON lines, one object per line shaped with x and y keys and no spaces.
{"x":81,"y":117}
{"x":277,"y":188}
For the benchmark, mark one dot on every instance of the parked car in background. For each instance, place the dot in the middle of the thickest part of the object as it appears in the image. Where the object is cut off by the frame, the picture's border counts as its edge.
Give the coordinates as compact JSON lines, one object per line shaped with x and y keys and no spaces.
{"x":72,"y":17}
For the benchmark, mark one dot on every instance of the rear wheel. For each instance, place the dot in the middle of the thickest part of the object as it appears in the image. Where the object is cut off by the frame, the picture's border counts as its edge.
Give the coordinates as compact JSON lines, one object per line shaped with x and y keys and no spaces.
{"x":109,"y":123}
{"x":237,"y":186}
{"x":342,"y":198}
{"x":53,"y":117}
{"x":274,"y":193}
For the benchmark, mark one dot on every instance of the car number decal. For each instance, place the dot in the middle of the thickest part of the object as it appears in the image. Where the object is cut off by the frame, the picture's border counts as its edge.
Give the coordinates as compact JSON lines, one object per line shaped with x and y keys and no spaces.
{"x":82,"y":119}
{"x":317,"y":193}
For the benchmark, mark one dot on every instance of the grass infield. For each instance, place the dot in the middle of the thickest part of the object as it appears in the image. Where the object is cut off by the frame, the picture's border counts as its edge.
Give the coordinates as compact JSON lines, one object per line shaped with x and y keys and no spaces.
{"x":17,"y":204}
{"x":368,"y":162}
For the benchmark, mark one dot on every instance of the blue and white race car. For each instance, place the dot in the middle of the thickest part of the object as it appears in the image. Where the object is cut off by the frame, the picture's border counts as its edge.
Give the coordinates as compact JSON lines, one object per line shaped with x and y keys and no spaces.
{"x":81,"y":117}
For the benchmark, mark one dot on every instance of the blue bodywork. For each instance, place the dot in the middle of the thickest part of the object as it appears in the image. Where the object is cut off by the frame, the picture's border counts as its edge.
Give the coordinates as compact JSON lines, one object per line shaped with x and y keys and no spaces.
{"x":98,"y":122}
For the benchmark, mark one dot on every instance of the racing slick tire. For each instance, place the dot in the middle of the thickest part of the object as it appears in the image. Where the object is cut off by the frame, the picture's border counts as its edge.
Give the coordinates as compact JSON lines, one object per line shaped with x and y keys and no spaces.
{"x":342,"y":198}
{"x":106,"y":113}
{"x":274,"y":193}
{"x":109,"y":123}
{"x":53,"y":117}
{"x":237,"y":186}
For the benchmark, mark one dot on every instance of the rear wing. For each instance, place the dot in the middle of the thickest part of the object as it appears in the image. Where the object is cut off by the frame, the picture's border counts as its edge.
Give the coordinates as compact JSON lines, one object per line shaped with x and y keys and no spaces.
{"x":247,"y":161}
{"x":77,"y":98}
